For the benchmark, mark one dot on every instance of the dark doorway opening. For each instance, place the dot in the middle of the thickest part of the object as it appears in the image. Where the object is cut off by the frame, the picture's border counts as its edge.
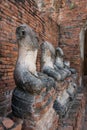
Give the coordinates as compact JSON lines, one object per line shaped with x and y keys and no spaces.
{"x":85,"y":54}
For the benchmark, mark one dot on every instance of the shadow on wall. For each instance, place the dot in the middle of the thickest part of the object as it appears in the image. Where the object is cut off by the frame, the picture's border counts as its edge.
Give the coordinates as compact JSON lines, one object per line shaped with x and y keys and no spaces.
{"x":83,"y":51}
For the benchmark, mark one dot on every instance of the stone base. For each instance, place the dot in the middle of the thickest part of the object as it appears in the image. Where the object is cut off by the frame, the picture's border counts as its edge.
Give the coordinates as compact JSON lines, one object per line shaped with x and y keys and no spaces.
{"x":65,"y":91}
{"x":74,"y":118}
{"x":49,"y":121}
{"x":36,"y":110}
{"x":61,"y":104}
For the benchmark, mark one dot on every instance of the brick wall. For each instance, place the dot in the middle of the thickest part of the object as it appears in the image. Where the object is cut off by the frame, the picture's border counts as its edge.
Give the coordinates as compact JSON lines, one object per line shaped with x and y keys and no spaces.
{"x":71,"y":20}
{"x":12,"y":14}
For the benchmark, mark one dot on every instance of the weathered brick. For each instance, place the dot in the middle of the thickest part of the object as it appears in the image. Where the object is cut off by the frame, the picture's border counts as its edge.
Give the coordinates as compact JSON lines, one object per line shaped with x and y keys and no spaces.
{"x":66,"y":128}
{"x":8,"y":123}
{"x":1,"y":127}
{"x":71,"y":21}
{"x":18,"y":127}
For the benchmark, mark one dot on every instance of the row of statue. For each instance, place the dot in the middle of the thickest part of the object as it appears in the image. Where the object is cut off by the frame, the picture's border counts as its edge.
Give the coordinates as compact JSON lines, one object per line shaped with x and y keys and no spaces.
{"x":27,"y":79}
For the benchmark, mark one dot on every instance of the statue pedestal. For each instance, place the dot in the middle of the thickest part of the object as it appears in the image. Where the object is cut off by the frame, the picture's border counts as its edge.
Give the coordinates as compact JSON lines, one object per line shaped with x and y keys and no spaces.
{"x":36,"y":110}
{"x":66,"y":91}
{"x":49,"y":121}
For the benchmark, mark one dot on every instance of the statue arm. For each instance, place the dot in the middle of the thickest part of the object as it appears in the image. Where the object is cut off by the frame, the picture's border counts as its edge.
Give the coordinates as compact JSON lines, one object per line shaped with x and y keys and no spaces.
{"x":32,"y":83}
{"x":52,"y":72}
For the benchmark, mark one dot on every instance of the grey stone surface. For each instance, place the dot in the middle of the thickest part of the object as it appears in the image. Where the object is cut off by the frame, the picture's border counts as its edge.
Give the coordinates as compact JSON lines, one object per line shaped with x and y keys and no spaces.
{"x":62,"y":103}
{"x":72,"y":89}
{"x":59,"y":62}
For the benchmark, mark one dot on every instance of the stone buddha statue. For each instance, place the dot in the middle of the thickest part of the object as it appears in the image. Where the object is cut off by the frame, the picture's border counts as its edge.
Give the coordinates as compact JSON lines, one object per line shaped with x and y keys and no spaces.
{"x":47,"y":61}
{"x":52,"y":62}
{"x":28,"y":81}
{"x":59,"y":63}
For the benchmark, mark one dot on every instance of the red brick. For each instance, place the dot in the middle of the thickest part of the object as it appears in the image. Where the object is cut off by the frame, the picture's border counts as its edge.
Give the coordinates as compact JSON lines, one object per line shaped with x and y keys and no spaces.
{"x":18,"y":127}
{"x":66,"y":128}
{"x":1,"y":128}
{"x":8,"y":123}
{"x":85,"y":125}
